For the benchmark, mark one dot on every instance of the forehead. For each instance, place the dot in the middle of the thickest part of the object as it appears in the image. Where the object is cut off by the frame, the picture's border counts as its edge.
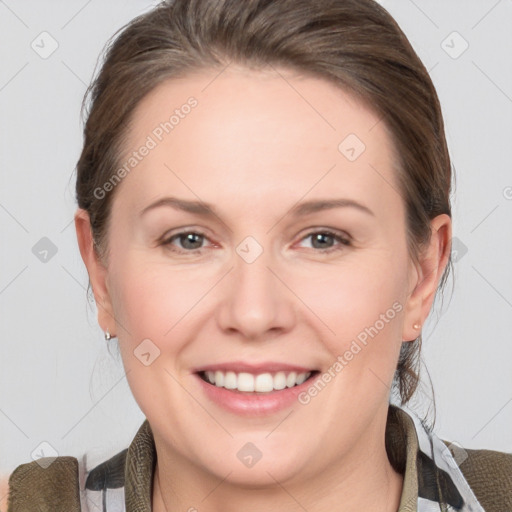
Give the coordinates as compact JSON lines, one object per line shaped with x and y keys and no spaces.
{"x":215,"y":133}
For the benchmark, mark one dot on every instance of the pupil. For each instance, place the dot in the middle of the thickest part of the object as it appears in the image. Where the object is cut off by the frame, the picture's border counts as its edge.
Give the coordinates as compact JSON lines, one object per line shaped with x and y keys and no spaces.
{"x":189,"y":238}
{"x":320,"y":237}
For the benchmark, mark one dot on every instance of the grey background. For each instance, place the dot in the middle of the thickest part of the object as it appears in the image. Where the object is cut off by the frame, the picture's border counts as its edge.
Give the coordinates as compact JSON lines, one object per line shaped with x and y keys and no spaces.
{"x":58,"y":382}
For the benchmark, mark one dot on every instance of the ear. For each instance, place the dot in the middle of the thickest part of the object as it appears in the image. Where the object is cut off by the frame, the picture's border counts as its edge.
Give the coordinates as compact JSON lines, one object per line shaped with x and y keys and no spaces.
{"x":425,"y":276}
{"x":96,"y":270}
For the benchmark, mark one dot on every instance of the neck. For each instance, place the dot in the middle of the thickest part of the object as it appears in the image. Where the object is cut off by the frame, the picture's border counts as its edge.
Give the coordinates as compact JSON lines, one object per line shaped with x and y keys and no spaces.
{"x":363,"y":480}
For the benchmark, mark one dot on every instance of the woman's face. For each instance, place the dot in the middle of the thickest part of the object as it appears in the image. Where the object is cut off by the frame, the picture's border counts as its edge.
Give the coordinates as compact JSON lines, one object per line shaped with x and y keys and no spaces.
{"x":267,"y":281}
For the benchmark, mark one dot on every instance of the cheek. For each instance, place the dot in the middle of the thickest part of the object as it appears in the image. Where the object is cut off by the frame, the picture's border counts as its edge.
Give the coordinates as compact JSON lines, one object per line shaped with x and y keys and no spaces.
{"x":353,"y":294}
{"x":154,"y":300}
{"x":359,"y":308}
{"x":153,"y":306}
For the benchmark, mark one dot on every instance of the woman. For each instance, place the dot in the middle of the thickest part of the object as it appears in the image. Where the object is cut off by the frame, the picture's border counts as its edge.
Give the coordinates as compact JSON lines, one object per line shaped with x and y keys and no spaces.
{"x":264,"y":215}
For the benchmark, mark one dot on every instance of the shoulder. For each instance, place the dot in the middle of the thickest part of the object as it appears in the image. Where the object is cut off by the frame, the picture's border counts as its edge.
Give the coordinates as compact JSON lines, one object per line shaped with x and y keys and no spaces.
{"x":61,"y":483}
{"x":49,"y":480}
{"x":55,"y":482}
{"x":488,"y":473}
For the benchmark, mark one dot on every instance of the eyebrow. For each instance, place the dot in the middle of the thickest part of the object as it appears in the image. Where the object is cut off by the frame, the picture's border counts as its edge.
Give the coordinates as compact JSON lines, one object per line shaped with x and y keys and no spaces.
{"x":304,"y":208}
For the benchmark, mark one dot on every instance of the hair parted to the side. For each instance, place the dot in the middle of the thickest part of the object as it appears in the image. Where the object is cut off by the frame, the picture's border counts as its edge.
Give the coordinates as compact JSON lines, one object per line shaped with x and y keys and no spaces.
{"x":355,"y":44}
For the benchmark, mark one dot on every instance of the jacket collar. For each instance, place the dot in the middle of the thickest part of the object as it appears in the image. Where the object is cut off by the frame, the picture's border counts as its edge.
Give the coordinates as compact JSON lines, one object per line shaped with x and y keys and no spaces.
{"x":139,"y":469}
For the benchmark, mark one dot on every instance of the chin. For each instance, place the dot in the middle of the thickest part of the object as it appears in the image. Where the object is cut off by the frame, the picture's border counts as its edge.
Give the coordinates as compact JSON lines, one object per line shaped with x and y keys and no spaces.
{"x":262,"y":475}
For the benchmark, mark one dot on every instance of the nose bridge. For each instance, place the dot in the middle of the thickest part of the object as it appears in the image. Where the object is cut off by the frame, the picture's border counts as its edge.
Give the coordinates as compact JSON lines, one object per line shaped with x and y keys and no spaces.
{"x":256,"y":301}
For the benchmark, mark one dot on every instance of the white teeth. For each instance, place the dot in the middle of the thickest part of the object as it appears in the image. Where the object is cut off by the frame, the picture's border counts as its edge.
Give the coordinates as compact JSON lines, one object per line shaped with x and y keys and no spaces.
{"x":245,"y":382}
{"x":229,"y":380}
{"x":264,"y":383}
{"x":291,"y":379}
{"x":301,"y":378}
{"x":261,"y":383}
{"x":279,"y":380}
{"x":219,"y":377}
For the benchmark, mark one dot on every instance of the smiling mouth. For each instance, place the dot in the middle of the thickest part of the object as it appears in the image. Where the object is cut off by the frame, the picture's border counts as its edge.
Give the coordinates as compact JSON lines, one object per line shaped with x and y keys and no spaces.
{"x":267,"y":382}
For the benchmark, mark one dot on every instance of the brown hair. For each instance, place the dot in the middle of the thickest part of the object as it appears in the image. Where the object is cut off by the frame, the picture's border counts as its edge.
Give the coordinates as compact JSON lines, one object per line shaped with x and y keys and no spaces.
{"x":355,"y":44}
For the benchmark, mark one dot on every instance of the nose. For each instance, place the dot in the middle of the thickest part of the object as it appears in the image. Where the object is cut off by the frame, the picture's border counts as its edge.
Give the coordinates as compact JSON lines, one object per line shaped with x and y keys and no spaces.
{"x":256,"y":303}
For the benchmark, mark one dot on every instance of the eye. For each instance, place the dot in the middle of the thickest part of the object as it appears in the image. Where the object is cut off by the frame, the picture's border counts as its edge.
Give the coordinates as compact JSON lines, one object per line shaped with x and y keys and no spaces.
{"x":190,"y":241}
{"x":324,"y":240}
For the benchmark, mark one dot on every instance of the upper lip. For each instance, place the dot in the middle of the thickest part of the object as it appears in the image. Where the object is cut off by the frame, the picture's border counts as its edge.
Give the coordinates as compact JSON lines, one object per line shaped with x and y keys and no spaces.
{"x":254,"y":368}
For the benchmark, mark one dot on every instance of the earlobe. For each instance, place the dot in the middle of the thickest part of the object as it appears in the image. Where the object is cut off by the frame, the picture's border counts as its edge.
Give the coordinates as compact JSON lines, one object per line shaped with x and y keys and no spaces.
{"x":412,"y":320}
{"x":96,"y":270}
{"x":429,"y":271}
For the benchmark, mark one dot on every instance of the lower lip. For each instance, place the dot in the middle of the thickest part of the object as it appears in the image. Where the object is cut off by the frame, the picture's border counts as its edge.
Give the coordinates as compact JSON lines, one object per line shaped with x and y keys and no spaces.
{"x":254,"y":404}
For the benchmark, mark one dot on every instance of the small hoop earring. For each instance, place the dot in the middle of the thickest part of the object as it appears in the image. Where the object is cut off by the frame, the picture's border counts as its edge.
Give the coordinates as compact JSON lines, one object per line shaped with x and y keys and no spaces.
{"x":108,"y":336}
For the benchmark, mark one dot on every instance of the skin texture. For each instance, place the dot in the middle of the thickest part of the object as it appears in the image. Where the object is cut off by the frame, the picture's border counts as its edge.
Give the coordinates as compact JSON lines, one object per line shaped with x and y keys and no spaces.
{"x":255,"y":145}
{"x":4,"y":485}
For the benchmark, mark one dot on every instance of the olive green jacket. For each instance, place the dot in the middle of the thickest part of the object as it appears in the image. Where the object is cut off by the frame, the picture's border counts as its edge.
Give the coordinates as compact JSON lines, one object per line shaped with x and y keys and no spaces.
{"x":60,"y":487}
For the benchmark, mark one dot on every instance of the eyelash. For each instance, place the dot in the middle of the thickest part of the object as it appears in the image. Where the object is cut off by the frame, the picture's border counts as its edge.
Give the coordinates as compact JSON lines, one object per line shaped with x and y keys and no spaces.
{"x":344,"y":241}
